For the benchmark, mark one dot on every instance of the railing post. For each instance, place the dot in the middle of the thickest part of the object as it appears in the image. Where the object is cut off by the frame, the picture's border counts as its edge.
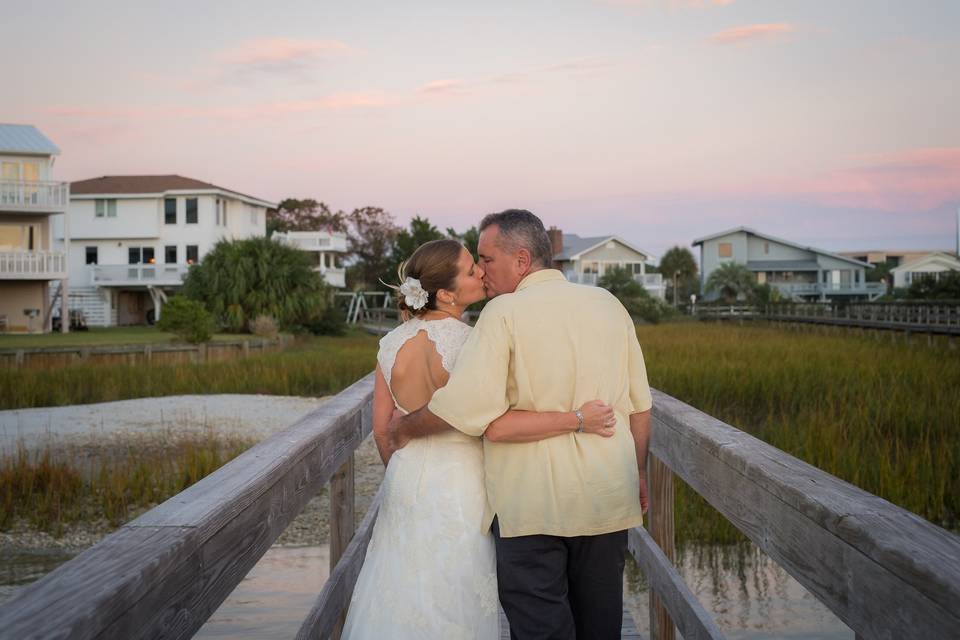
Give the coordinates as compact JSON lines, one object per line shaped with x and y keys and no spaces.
{"x":341,"y":521}
{"x":662,"y":529}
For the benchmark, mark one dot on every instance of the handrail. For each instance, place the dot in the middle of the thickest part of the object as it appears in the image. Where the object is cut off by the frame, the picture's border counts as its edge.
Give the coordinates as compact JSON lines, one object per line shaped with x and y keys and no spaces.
{"x":166,"y":572}
{"x":884,"y":571}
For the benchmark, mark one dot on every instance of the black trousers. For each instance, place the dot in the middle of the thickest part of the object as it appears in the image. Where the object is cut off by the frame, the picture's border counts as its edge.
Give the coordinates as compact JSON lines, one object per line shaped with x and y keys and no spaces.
{"x":559,"y":588}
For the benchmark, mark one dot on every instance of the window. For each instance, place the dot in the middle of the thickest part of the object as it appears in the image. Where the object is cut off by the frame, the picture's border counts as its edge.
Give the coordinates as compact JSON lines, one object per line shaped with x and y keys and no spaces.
{"x":170,"y":254}
{"x":140,"y":255}
{"x":91,"y":255}
{"x":217,"y":207}
{"x":766,"y":248}
{"x":191,"y":211}
{"x":106,"y":208}
{"x":223,"y":217}
{"x":725,"y":249}
{"x":193,"y":254}
{"x":591,"y":267}
{"x":170,"y":211}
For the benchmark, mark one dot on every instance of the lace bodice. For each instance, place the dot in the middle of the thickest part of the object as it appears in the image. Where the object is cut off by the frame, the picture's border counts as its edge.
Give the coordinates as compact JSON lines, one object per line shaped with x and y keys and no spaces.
{"x":447,"y":335}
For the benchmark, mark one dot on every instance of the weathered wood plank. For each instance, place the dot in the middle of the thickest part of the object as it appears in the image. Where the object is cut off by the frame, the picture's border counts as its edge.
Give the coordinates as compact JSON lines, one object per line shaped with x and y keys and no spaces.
{"x":692,"y":620}
{"x":334,"y":598}
{"x":342,"y":506}
{"x":164,"y":574}
{"x":886,"y":572}
{"x":662,"y":532}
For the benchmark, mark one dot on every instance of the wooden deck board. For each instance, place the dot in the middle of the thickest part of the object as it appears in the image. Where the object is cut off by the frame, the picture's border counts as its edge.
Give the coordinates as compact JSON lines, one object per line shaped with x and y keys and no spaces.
{"x":628,"y":629}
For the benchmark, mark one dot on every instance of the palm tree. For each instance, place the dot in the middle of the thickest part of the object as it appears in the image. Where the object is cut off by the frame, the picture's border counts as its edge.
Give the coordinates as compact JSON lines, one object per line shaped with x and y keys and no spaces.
{"x":731,"y":279}
{"x":679,"y":269}
{"x":241,"y":280}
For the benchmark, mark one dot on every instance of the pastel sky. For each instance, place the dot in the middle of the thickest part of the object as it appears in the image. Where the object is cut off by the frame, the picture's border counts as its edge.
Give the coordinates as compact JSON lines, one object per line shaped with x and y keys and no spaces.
{"x":829,"y":122}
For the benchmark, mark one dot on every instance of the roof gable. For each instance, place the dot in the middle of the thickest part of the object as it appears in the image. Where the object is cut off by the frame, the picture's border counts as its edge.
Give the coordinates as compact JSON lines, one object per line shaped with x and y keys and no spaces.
{"x":118,"y":185}
{"x":25,"y":138}
{"x":754,"y":232}
{"x":574,"y":246}
{"x":938,"y":257}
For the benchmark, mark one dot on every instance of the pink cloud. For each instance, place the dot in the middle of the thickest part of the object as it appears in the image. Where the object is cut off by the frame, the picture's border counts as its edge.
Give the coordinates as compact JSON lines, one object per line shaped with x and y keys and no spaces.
{"x":273,"y":51}
{"x":443,"y":87}
{"x":750,"y":32}
{"x":916,"y":179}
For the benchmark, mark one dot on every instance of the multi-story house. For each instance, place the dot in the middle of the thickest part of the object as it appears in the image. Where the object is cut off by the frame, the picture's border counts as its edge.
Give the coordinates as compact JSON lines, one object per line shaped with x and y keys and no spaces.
{"x":932,"y":266}
{"x":797,"y":271}
{"x":132,"y":239}
{"x":32,"y":271}
{"x":586,"y":260}
{"x":327,"y":250}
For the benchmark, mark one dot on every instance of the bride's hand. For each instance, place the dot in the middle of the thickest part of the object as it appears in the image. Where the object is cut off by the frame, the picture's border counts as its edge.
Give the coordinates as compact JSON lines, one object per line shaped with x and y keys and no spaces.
{"x":598,"y":418}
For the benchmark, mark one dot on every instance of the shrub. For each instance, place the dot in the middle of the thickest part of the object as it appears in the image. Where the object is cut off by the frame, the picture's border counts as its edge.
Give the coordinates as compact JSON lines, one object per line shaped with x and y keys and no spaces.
{"x":265,"y":327}
{"x":332,"y":322}
{"x":187,"y":319}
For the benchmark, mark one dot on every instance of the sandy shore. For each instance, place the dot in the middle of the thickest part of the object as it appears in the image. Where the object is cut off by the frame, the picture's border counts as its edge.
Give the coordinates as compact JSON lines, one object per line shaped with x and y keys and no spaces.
{"x":113,"y":423}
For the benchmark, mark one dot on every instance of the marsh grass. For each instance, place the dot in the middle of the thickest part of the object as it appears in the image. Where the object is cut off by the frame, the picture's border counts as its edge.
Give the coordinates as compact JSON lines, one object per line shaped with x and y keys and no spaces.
{"x":110,"y":480}
{"x":882,"y":416}
{"x":313,"y":366}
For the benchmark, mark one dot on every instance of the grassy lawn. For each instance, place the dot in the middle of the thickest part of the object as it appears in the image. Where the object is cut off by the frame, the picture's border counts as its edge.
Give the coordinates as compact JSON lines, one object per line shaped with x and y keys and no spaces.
{"x":100,"y":336}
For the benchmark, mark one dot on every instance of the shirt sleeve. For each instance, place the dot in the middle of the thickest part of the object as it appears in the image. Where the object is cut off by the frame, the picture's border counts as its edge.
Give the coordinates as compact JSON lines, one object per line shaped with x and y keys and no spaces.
{"x":476,"y":393}
{"x":640,"y":398}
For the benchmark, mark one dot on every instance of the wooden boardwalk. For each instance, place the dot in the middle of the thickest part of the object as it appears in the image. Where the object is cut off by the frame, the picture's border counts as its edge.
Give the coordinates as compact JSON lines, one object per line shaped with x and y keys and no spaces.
{"x":628,"y":630}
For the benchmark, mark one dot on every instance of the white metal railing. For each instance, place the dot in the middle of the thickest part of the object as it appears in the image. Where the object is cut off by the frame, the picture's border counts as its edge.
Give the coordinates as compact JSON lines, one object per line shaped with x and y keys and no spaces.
{"x":333,"y":276}
{"x":314,"y":240}
{"x":816,"y":288}
{"x":648,"y":280}
{"x":38,"y":195}
{"x":145,"y":274}
{"x":33,"y":264}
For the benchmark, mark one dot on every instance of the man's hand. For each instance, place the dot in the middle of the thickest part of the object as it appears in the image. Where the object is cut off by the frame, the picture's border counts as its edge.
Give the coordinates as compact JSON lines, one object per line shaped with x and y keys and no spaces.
{"x":396,"y":439}
{"x":644,"y":495}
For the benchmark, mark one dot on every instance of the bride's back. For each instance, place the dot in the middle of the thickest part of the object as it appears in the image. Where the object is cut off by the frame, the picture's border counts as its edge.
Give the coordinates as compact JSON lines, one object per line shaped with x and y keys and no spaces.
{"x":417,"y":372}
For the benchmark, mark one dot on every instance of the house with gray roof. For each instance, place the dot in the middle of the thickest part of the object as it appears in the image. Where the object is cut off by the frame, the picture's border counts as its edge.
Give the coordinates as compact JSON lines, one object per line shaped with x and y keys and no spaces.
{"x":799,"y":272}
{"x":585,"y":260}
{"x":32,"y":269}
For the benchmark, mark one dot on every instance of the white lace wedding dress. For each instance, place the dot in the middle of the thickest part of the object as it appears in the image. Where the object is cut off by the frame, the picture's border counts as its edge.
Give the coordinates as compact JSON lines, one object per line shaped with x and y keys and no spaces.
{"x":429,"y":571}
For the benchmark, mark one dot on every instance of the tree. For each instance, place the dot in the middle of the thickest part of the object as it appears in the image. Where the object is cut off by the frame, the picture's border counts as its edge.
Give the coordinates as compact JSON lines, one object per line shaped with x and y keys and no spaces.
{"x":731,"y":280}
{"x":470,"y":239}
{"x":406,"y":242}
{"x":370,"y":236}
{"x":304,"y":215}
{"x":679,"y":260}
{"x":188,"y":319}
{"x":620,"y":282}
{"x":240,"y":280}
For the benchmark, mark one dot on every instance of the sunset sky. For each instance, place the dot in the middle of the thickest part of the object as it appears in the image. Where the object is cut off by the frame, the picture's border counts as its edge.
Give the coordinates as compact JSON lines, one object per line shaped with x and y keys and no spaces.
{"x":834,"y":123}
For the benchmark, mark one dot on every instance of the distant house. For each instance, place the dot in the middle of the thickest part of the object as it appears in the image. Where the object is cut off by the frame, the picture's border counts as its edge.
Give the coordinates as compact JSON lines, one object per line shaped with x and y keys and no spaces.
{"x":889,"y":257}
{"x":798,"y":272}
{"x":327,"y":250}
{"x":931,"y":266}
{"x":32,"y":270}
{"x":132,"y":239}
{"x":586,"y":260}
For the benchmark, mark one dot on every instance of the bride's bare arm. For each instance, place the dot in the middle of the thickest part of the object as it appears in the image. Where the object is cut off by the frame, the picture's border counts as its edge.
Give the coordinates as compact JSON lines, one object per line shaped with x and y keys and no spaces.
{"x":382,"y":411}
{"x":530,"y":426}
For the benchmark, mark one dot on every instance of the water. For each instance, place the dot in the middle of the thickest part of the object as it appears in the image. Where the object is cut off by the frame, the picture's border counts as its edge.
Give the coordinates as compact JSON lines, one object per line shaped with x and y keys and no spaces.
{"x":749,"y":596}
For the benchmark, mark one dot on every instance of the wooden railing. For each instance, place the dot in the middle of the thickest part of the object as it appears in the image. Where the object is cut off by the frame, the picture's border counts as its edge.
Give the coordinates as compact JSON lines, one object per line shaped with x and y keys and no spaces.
{"x":884,"y":571}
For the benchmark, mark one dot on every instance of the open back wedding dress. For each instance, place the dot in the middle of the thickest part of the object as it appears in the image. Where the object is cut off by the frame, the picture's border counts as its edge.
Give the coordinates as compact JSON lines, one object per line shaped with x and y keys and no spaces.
{"x":429,"y":571}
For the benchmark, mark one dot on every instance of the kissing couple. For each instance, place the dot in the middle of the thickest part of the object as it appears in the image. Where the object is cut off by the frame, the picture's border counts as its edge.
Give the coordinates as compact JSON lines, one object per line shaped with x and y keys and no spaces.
{"x":515,"y":451}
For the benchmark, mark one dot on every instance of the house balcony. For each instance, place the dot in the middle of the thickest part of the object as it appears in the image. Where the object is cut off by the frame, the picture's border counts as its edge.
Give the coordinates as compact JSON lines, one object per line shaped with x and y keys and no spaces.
{"x":26,"y":196}
{"x":33,"y":265}
{"x":314,"y":241}
{"x":333,"y":276}
{"x":872,"y":290}
{"x":652,"y":282}
{"x":138,"y":275}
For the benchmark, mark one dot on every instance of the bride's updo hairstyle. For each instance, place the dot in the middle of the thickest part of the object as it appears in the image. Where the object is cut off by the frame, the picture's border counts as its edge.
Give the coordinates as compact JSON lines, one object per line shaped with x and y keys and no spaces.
{"x":434,"y":264}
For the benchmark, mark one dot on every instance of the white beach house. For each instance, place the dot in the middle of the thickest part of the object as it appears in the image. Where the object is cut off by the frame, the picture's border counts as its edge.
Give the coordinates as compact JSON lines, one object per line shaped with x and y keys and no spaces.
{"x":32,"y":269}
{"x":327,"y":250}
{"x":131,"y":239}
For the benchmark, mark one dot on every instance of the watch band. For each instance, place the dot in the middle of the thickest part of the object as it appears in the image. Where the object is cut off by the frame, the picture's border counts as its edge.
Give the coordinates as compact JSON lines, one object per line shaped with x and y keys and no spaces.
{"x":579,"y":415}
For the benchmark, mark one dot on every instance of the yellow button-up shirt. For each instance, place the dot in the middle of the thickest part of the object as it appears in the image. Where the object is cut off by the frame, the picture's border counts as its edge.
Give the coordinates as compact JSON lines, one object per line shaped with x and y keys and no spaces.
{"x":552,"y":346}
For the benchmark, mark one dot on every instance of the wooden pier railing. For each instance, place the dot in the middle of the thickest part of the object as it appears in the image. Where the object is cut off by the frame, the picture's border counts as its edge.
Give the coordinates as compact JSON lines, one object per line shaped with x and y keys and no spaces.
{"x":884,"y":571}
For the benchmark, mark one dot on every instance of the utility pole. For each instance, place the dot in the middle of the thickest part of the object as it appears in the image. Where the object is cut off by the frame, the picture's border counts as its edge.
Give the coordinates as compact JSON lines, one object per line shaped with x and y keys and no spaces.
{"x":676,"y":274}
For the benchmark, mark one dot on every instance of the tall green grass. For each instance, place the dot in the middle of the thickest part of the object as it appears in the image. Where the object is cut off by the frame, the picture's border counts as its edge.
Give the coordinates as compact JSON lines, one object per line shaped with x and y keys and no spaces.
{"x":313,"y":366}
{"x":54,"y":486}
{"x":885,"y":417}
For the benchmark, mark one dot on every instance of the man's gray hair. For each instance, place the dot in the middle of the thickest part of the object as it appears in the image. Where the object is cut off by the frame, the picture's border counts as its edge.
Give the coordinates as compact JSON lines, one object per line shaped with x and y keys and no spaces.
{"x":520,"y":229}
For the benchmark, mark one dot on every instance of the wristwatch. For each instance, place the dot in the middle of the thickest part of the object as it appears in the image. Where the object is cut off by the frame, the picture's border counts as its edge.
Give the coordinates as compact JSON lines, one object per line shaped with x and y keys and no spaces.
{"x":579,"y":415}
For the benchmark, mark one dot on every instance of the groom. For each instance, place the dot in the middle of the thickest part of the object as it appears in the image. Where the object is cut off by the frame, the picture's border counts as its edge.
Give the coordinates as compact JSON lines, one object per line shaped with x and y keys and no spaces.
{"x":558,"y":508}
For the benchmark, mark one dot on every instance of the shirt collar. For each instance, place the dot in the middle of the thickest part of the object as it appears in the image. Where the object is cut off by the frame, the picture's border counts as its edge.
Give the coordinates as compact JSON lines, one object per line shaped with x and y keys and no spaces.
{"x":543,"y":275}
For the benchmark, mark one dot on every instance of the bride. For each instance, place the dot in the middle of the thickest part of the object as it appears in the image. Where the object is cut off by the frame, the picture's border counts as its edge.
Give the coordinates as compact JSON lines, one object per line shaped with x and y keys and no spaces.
{"x":430,"y":571}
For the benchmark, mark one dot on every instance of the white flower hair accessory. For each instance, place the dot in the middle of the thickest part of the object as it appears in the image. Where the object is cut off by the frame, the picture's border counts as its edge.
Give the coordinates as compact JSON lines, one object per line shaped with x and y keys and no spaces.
{"x":413,"y":293}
